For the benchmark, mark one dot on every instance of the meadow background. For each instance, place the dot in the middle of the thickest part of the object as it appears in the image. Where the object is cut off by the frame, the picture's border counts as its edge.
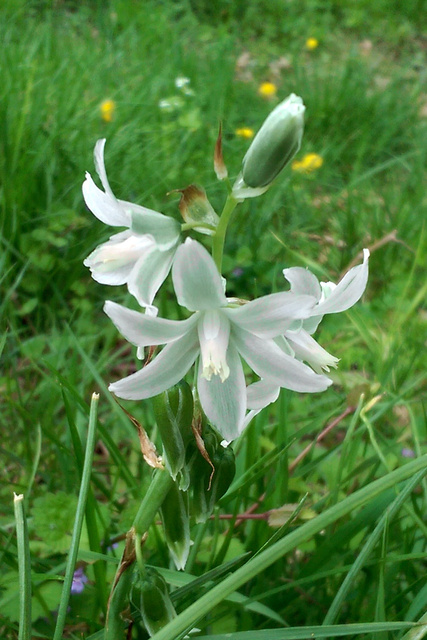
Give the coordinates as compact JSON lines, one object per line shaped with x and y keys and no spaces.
{"x":364,"y":86}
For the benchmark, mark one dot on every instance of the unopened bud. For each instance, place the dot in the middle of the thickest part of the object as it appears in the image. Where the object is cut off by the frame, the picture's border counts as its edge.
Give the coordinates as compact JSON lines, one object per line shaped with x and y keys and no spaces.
{"x":208,"y":484}
{"x":151,"y":597}
{"x":273,"y":147}
{"x":176,"y":525}
{"x":173,"y":410}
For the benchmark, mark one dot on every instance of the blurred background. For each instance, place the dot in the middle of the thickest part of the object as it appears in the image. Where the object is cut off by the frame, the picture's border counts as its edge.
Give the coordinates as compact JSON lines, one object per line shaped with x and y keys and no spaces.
{"x":156,"y":79}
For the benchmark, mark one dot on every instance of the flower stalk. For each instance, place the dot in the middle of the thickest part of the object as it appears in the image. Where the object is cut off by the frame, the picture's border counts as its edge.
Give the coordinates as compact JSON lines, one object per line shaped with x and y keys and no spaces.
{"x":218,"y":240}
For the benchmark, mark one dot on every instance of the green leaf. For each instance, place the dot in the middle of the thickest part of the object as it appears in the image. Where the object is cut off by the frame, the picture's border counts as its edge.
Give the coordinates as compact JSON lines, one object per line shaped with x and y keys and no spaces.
{"x":53,"y":519}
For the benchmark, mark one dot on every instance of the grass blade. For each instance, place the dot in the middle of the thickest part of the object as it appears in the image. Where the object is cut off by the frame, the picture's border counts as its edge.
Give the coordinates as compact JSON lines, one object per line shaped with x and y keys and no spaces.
{"x":389,"y":514}
{"x":78,"y":523}
{"x":301,"y":633}
{"x":188,"y":618}
{"x":24,"y":564}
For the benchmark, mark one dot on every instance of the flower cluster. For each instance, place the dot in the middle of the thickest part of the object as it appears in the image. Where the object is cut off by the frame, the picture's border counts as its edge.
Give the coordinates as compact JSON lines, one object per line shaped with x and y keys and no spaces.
{"x":273,"y":334}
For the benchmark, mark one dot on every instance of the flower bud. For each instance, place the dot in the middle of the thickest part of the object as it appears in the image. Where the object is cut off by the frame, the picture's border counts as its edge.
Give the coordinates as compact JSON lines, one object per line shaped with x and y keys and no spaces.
{"x":273,"y":147}
{"x":209,"y":487}
{"x":151,"y":597}
{"x":173,"y":410}
{"x":176,"y":525}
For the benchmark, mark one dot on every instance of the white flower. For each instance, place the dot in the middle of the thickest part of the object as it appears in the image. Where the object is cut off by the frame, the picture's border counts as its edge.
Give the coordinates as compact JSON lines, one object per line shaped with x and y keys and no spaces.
{"x":297,"y":341}
{"x":331,"y":298}
{"x":221,"y":336}
{"x":141,"y":256}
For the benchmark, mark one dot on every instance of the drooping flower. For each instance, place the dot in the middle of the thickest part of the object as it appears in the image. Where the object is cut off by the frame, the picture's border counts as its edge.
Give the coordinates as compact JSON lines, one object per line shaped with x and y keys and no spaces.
{"x":107,"y":109}
{"x":309,"y":163}
{"x":297,"y":341}
{"x":221,"y":335}
{"x":330,"y":298}
{"x":142,"y":255}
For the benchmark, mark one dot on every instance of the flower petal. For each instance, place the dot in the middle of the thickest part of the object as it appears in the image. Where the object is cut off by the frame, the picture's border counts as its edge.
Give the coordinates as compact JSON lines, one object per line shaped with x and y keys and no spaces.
{"x":145,"y":330}
{"x":224,"y":403}
{"x":104,"y":206}
{"x":270,"y":362}
{"x":306,"y":348}
{"x":214,"y":332}
{"x":165,"y":230}
{"x":148,"y":275}
{"x":348,"y":291}
{"x":271,"y":315}
{"x":302,"y":281}
{"x":98,"y":155}
{"x":197,"y":283}
{"x":261,"y":393}
{"x":168,"y":368}
{"x":113,"y":261}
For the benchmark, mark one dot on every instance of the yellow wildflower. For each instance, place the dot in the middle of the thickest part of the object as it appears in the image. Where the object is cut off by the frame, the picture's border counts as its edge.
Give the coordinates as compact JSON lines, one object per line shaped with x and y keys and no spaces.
{"x":107,"y":109}
{"x":245,"y":132}
{"x":311,"y":43}
{"x":310,"y":162}
{"x":267,"y":90}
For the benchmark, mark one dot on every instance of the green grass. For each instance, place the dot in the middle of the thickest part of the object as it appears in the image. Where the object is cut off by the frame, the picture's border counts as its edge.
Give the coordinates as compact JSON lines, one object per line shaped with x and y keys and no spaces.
{"x":58,"y":62}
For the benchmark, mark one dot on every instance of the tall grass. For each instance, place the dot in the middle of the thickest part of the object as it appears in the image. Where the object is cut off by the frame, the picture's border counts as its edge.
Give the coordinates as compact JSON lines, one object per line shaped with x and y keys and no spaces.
{"x":58,"y":62}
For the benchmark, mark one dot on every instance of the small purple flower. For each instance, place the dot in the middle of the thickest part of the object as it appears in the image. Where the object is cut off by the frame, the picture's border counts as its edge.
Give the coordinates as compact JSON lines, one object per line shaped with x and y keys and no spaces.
{"x":408,"y":453}
{"x":237,"y":272}
{"x":79,"y":581}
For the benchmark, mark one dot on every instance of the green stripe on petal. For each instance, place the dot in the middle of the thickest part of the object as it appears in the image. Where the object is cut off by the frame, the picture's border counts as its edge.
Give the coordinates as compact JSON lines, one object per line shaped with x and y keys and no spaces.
{"x":272,"y":315}
{"x":270,"y":362}
{"x":145,"y":330}
{"x":261,"y":393}
{"x":165,"y":230}
{"x":198,"y":285}
{"x":168,"y":368}
{"x":149,"y":273}
{"x":302,"y":281}
{"x":224,"y":403}
{"x":306,"y":348}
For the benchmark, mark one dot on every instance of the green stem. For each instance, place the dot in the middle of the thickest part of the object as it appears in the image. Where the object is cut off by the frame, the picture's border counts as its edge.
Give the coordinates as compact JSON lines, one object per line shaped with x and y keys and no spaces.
{"x":151,"y":503}
{"x":24,"y":565}
{"x":218,"y":239}
{"x":153,"y":499}
{"x":78,"y":523}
